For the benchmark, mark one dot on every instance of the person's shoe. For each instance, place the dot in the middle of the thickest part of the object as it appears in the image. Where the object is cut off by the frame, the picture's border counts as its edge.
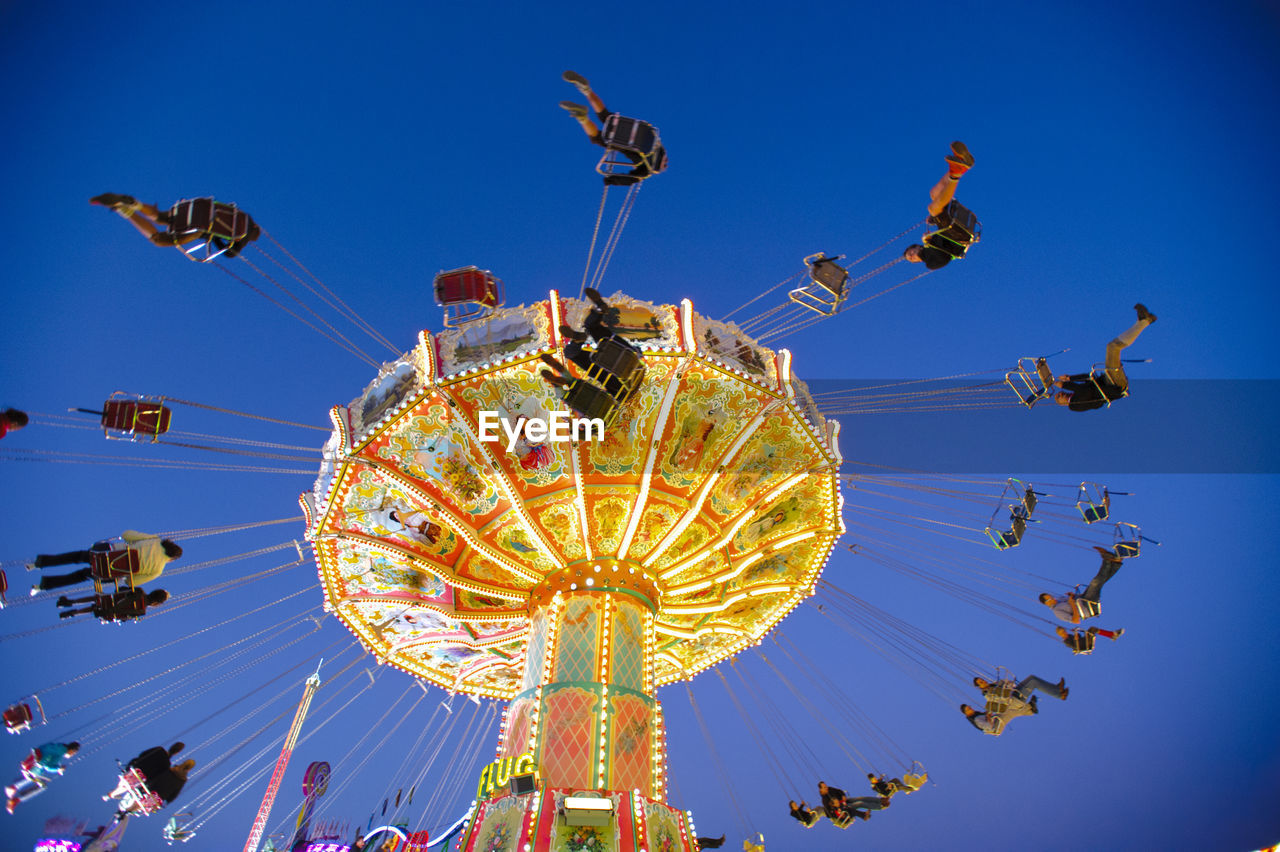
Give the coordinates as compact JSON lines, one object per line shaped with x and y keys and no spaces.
{"x":596,"y":299}
{"x":1117,"y":634}
{"x":112,"y":200}
{"x":11,"y":805}
{"x":35,"y":589}
{"x":1143,"y":313}
{"x":64,"y":601}
{"x":1034,"y":704}
{"x":864,"y":815}
{"x":65,"y":614}
{"x":1107,"y":553}
{"x":31,"y":566}
{"x":552,"y":379}
{"x":1066,"y":690}
{"x":884,"y":801}
{"x":572,"y":334}
{"x":579,"y":82}
{"x":551,"y":362}
{"x":958,"y":166}
{"x":961,"y":151}
{"x":575,"y":110}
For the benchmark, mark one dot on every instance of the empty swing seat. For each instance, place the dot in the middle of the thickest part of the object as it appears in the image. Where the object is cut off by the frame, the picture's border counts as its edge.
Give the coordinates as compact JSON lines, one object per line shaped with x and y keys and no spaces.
{"x":826,"y":288}
{"x":135,"y":418}
{"x":957,"y":228}
{"x":638,"y":143}
{"x":18,"y":718}
{"x":467,"y":294}
{"x":617,"y":367}
{"x":217,"y":225}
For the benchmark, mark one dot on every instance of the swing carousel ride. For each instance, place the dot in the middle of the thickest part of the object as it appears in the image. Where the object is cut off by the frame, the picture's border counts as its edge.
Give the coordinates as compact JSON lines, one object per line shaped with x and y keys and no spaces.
{"x":573,"y":579}
{"x":461,"y":538}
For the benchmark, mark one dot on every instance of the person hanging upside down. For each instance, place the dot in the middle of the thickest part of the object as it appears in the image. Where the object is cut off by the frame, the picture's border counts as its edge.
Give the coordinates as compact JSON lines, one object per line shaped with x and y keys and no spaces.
{"x":120,"y":606}
{"x":149,"y":219}
{"x":11,"y":420}
{"x":1073,"y":608}
{"x":959,"y":161}
{"x":1082,"y":642}
{"x":579,"y":112}
{"x":1087,"y":391}
{"x":154,"y":553}
{"x":38,"y":769}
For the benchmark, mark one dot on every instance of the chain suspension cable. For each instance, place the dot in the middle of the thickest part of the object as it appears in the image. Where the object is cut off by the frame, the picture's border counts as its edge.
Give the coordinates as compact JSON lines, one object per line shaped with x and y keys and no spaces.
{"x":288,"y":688}
{"x":785,"y":784}
{"x":595,"y":234}
{"x":333,"y":333}
{"x":277,"y":602}
{"x":90,"y":730}
{"x":232,"y":451}
{"x":22,"y":454}
{"x":801,"y":753}
{"x":840,"y":700}
{"x":624,"y":215}
{"x":328,"y":296}
{"x":162,"y":698}
{"x":841,"y":740}
{"x":151,"y":650}
{"x":299,"y":317}
{"x":232,"y":411}
{"x":243,"y":442}
{"x":783,"y":283}
{"x":276,"y":741}
{"x":202,"y":532}
{"x":290,"y":814}
{"x":453,"y":763}
{"x":226,"y":560}
{"x":726,"y":781}
{"x":225,"y":707}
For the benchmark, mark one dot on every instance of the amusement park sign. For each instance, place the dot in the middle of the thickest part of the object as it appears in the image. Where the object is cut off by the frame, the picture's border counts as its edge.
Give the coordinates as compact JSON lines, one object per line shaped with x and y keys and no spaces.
{"x":498,"y":773}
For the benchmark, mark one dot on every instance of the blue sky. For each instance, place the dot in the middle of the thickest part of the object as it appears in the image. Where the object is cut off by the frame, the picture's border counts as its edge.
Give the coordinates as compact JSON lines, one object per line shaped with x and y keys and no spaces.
{"x":1124,"y":153}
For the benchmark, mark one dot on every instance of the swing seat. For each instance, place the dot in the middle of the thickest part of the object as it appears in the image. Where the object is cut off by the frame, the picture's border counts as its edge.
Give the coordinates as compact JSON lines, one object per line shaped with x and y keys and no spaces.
{"x":1128,"y":539}
{"x":825,"y":291}
{"x":843,"y":821}
{"x":18,"y":718}
{"x":1083,"y":643}
{"x":135,"y":420}
{"x":120,"y":606}
{"x":591,"y":401}
{"x":630,"y":144}
{"x":617,"y":367}
{"x":1092,"y":514}
{"x":138,"y":795}
{"x":814,"y":819}
{"x":956,"y":228}
{"x":1003,"y":540}
{"x":114,"y":566}
{"x":216,"y":226}
{"x":1029,"y":381}
{"x":467,"y":294}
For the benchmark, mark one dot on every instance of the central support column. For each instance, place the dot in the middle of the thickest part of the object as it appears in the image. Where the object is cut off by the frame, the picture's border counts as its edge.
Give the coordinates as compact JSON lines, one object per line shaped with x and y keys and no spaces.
{"x":586,"y":710}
